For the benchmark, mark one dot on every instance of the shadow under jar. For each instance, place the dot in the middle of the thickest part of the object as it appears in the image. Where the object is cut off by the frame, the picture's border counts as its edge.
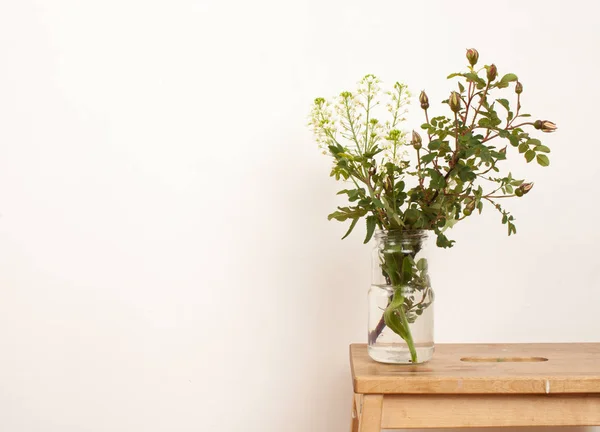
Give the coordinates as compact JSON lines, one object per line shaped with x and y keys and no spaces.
{"x":400,"y":299}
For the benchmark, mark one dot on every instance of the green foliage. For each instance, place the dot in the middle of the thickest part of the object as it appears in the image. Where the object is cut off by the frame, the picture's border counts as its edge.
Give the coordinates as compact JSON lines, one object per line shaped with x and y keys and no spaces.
{"x":543,"y":160}
{"x":457,"y":168}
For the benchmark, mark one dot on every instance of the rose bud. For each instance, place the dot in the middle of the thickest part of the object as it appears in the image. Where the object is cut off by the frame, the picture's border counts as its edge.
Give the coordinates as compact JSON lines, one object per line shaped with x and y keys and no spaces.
{"x":526,"y":187}
{"x":523,"y":189}
{"x":518,"y":88}
{"x":545,"y":126}
{"x":416,"y":140}
{"x":472,"y":56}
{"x":492,"y":72}
{"x":469,"y":208}
{"x":454,"y":102}
{"x":424,"y":100}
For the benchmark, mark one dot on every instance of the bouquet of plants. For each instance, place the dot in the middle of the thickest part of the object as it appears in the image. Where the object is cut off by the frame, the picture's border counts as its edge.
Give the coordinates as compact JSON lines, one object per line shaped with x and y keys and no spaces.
{"x":401,"y":181}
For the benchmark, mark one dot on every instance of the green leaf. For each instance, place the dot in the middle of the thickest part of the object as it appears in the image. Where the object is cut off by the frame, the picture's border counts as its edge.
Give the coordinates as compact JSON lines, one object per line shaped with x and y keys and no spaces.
{"x":428,"y":157}
{"x":543,"y":160}
{"x":473,"y":77}
{"x":352,"y":225}
{"x":411,"y":216}
{"x":523,"y":147}
{"x":485,"y":122}
{"x":371,"y":223}
{"x":391,"y":315}
{"x":461,"y":87}
{"x":465,"y":174}
{"x":377,"y":203}
{"x":353,"y":194}
{"x":542,"y":148}
{"x":509,"y":77}
{"x":514,"y":140}
{"x":437,"y":180}
{"x":529,"y":155}
{"x":443,"y":242}
{"x":504,"y":103}
{"x":345,"y":213}
{"x":422,"y":264}
{"x":407,"y":269}
{"x":435,"y":144}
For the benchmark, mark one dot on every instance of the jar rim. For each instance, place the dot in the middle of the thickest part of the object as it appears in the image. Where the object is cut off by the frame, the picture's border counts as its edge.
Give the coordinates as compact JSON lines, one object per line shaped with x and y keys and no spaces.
{"x":402,"y":234}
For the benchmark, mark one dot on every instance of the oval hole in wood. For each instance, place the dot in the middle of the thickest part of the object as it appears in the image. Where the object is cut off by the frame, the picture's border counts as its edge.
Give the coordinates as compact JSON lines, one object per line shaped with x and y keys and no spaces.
{"x":503,"y":359}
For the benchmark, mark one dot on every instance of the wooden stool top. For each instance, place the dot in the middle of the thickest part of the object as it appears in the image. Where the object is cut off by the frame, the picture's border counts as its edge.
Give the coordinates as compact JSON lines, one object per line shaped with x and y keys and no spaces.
{"x":484,"y":369}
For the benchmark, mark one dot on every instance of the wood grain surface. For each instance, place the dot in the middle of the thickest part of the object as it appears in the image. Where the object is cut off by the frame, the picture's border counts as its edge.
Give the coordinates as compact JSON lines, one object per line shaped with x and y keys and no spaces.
{"x":484,"y":369}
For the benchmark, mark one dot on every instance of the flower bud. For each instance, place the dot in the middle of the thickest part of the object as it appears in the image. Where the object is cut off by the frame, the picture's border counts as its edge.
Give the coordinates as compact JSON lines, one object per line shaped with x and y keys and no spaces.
{"x":469,"y":208}
{"x":526,"y":187}
{"x":545,"y":125}
{"x":492,"y":72}
{"x":518,"y":88}
{"x":424,"y":100}
{"x":454,"y":102}
{"x":372,"y":171}
{"x":523,"y":189}
{"x":416,"y":140}
{"x":472,"y":56}
{"x":389,"y":185}
{"x":394,"y":135}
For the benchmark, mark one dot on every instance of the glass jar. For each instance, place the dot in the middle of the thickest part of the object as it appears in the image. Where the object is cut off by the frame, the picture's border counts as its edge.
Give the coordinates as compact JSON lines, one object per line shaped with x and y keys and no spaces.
{"x":400,"y":299}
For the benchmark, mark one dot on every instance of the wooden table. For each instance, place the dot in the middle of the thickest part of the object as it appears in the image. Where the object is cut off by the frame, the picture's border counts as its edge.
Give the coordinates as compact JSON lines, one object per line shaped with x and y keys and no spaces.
{"x":468,"y":385}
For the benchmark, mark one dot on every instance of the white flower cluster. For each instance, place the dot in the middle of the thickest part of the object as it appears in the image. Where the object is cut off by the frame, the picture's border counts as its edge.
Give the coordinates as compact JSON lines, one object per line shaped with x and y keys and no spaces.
{"x":323,"y":124}
{"x":350,"y":118}
{"x":396,"y":141}
{"x":350,"y":121}
{"x":368,"y":87}
{"x":395,"y":150}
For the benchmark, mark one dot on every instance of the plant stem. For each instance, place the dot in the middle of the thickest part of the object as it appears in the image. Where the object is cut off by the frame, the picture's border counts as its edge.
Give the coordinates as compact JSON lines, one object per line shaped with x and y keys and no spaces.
{"x":392,"y":265}
{"x":420,"y":174}
{"x":409,"y":339}
{"x":487,"y":87}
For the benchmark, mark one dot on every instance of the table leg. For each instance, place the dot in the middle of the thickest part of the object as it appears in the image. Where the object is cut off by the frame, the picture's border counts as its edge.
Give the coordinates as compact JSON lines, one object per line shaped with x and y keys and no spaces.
{"x":355,"y":413}
{"x":370,"y":415}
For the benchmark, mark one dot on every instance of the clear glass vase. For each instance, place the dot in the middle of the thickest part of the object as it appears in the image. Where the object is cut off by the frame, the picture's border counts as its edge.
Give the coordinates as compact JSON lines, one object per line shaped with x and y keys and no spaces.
{"x":400,"y":299}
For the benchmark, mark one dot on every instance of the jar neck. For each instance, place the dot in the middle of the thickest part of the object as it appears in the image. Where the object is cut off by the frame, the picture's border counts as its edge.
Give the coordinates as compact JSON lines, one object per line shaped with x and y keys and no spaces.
{"x":405,"y":241}
{"x":402,"y":236}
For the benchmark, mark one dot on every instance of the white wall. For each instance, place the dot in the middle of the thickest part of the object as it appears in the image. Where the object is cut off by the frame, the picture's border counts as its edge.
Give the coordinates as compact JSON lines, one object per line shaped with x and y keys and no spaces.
{"x":165,"y":261}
